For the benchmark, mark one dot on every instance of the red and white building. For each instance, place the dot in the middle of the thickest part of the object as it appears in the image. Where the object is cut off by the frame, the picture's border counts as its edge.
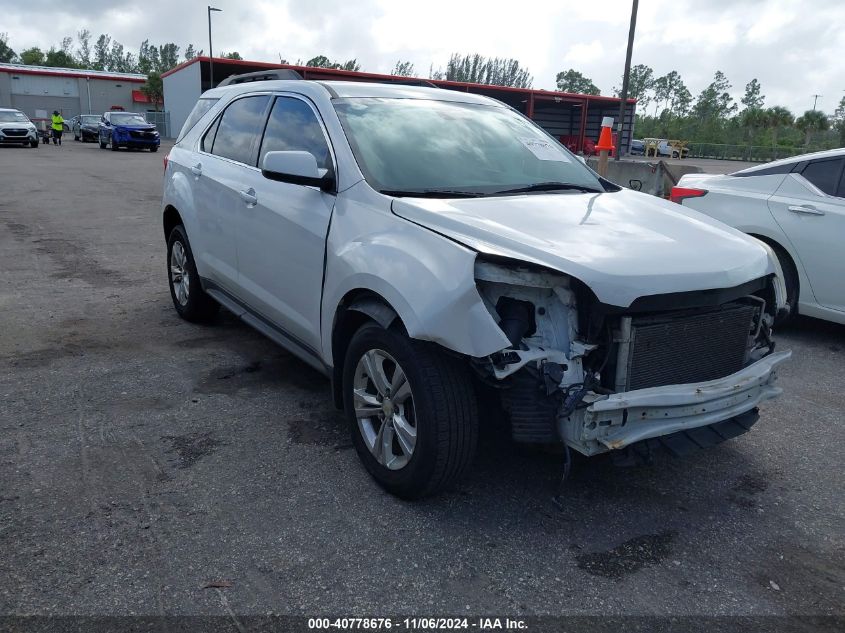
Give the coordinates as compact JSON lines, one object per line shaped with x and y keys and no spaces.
{"x":574,"y":119}
{"x":38,"y":90}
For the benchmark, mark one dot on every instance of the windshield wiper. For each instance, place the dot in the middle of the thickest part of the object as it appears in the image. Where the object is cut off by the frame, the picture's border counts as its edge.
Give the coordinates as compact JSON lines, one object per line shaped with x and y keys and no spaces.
{"x":551,"y":186}
{"x":430,"y":193}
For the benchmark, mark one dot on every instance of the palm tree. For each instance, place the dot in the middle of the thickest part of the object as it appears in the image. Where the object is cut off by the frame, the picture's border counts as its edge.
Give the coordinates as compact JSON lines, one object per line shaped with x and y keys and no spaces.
{"x":811,"y":121}
{"x":778,"y":117}
{"x":754,"y":119}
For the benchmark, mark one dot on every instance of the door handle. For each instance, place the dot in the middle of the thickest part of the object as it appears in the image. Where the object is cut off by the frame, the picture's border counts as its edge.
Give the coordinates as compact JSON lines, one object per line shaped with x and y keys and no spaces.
{"x":196,"y":170}
{"x":805,"y":209}
{"x":249,"y":197}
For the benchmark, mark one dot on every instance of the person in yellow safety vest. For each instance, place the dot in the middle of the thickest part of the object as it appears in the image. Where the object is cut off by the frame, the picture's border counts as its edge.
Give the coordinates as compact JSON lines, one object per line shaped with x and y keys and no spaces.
{"x":58,"y":127}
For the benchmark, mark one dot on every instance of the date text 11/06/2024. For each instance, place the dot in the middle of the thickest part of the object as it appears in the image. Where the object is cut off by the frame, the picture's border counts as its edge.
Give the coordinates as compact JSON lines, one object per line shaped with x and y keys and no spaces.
{"x":417,"y":624}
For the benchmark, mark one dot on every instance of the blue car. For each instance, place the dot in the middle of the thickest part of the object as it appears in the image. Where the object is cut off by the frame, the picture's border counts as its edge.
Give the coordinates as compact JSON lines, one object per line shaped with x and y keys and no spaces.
{"x":127,"y":129}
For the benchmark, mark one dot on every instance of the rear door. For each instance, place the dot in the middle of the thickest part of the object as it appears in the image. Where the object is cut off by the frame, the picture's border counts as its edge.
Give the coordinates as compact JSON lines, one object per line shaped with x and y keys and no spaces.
{"x":283,"y":227}
{"x":224,"y":162}
{"x":809,"y":206}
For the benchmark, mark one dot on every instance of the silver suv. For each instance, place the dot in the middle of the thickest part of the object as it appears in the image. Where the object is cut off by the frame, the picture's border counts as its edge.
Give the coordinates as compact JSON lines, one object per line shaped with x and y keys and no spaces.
{"x":17,"y":129}
{"x":425,"y":248}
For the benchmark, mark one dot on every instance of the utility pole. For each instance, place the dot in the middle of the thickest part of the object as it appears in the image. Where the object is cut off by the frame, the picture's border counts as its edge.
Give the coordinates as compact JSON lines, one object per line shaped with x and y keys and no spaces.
{"x":815,"y":100}
{"x":623,"y":106}
{"x":210,"y":52}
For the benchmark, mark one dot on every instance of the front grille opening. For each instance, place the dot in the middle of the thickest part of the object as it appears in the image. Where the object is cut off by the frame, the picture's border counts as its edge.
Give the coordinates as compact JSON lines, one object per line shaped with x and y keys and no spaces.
{"x":681,"y":348}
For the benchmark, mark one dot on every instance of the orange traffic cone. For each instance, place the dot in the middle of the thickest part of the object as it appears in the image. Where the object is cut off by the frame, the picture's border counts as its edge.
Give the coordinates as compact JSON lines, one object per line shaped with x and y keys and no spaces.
{"x":606,"y":136}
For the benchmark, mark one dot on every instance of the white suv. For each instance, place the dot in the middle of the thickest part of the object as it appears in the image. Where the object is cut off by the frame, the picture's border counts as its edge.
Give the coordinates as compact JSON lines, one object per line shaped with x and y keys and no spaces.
{"x":425,"y":248}
{"x":17,"y":129}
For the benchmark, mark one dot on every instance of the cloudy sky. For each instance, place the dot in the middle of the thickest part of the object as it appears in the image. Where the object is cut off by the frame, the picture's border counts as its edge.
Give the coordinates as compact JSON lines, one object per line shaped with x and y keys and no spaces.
{"x":794,"y":47}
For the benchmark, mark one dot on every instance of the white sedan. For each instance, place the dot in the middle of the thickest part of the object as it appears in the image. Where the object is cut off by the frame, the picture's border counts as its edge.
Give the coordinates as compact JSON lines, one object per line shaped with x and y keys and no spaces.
{"x":797,"y":206}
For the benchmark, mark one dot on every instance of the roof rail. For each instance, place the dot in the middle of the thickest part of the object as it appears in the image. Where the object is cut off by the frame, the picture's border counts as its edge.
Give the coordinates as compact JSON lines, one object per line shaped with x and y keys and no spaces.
{"x":261,"y":75}
{"x":411,"y":81}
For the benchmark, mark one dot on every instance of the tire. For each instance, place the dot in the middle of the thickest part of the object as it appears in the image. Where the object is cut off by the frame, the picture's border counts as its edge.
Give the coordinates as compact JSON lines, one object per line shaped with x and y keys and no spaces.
{"x":75,"y":138}
{"x":114,"y":146}
{"x":443,"y":412}
{"x":33,"y":144}
{"x":102,"y":143}
{"x":154,"y":148}
{"x":194,"y":305}
{"x":790,"y":280}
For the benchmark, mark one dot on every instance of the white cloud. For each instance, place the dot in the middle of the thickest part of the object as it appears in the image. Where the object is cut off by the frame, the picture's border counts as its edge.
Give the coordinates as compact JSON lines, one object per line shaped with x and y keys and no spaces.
{"x":794,"y":50}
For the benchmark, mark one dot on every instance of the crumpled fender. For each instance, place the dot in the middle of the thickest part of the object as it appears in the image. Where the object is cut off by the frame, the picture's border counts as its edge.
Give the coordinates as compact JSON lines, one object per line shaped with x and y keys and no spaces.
{"x":426,"y":278}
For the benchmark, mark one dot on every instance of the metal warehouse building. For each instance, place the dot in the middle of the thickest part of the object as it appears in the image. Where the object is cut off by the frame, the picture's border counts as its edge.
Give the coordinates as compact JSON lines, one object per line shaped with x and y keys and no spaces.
{"x":38,"y":90}
{"x":574,"y":119}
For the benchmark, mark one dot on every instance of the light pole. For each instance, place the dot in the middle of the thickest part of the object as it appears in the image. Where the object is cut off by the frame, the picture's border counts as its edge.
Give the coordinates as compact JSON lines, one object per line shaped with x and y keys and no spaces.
{"x":815,"y":100}
{"x":624,"y":105}
{"x":210,"y":53}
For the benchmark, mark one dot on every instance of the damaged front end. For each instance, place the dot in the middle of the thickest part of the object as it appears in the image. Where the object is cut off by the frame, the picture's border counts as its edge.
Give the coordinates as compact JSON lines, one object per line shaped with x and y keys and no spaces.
{"x":599,"y":377}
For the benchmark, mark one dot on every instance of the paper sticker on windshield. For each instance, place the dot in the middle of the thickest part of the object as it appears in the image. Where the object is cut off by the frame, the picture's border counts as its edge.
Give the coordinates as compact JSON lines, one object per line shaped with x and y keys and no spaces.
{"x":545,"y":150}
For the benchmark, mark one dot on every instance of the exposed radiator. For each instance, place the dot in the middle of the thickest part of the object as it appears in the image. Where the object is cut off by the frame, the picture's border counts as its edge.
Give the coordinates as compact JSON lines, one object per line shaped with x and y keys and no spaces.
{"x":683,"y":348}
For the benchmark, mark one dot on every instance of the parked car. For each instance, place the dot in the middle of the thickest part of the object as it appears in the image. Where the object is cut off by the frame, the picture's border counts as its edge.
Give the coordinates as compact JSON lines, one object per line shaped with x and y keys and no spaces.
{"x":421,"y":246}
{"x":637,"y":148}
{"x":85,"y":127}
{"x":671,"y":149}
{"x":127,"y":129}
{"x":797,"y":206}
{"x":17,"y":129}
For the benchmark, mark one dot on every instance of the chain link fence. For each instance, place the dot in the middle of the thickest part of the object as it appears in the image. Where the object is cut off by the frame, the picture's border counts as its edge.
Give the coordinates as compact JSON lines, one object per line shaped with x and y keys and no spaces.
{"x":747,"y":153}
{"x":162,"y":122}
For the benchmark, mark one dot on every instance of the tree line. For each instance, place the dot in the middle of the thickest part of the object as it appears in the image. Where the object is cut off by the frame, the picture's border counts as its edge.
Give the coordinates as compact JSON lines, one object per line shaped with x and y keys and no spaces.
{"x":667,"y":109}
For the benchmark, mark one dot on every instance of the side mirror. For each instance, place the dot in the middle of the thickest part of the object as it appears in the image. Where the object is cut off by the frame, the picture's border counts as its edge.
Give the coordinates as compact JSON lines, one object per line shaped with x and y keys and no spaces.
{"x":636,"y":185}
{"x":298,"y":168}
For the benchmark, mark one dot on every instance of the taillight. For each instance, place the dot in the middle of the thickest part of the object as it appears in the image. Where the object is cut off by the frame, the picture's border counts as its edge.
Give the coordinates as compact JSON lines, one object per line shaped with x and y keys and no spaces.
{"x":166,"y":157}
{"x":679,"y":194}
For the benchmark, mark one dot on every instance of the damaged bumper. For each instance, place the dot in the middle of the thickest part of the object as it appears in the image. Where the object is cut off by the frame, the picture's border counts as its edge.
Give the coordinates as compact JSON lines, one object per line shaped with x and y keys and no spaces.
{"x":616,"y":421}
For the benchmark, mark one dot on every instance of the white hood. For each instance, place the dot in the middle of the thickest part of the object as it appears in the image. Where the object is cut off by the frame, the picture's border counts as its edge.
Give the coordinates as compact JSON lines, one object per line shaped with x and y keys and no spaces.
{"x":623,"y":245}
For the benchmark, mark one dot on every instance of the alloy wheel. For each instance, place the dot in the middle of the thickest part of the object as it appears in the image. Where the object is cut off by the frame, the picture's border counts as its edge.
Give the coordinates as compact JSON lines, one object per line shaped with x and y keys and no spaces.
{"x":384,"y":409}
{"x":179,"y":278}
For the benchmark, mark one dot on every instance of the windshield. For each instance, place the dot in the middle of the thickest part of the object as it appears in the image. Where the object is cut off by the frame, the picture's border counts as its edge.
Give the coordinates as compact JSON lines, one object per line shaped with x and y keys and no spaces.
{"x":126,"y":118}
{"x":13,"y":117}
{"x":416,"y":145}
{"x":89,"y":118}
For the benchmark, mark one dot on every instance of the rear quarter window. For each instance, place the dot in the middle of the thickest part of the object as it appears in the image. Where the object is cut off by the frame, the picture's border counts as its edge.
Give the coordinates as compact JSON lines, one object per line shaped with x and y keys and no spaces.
{"x":202,"y":106}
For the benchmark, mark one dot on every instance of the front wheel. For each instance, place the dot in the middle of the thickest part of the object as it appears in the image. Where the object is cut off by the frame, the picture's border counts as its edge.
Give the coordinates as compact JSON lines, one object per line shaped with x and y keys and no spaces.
{"x":102,"y":143}
{"x":411,"y":411}
{"x":114,"y":146}
{"x":190,"y":300}
{"x":154,"y":148}
{"x":33,"y":144}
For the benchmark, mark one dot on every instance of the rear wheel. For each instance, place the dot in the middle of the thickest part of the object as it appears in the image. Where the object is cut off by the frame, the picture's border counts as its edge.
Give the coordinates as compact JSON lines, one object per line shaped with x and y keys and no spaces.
{"x":190,"y":300}
{"x":411,"y":411}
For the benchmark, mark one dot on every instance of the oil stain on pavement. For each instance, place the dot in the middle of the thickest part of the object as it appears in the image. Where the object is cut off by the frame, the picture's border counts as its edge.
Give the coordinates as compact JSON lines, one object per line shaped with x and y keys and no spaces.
{"x":628,"y":557}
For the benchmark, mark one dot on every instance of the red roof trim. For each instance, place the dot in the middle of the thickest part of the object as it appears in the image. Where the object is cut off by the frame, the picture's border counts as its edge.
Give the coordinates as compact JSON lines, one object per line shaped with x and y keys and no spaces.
{"x":347,"y":74}
{"x":80,"y":73}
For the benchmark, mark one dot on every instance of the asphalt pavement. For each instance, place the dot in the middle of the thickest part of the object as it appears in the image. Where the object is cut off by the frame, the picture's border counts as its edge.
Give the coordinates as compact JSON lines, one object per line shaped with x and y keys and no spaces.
{"x":151,"y":466}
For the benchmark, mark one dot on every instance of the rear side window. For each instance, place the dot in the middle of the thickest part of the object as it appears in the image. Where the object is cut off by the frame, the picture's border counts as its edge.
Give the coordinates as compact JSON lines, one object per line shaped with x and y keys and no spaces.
{"x":294,"y":126}
{"x":202,"y":106}
{"x":825,"y":174}
{"x":240,"y":128}
{"x":208,"y":139}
